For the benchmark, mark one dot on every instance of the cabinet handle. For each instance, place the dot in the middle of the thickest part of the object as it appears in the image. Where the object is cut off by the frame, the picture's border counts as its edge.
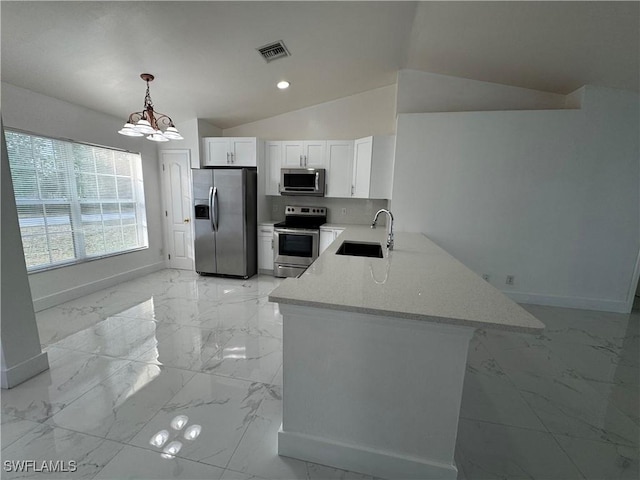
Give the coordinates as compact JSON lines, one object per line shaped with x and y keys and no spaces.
{"x":305,"y":161}
{"x":232,"y":157}
{"x":272,"y":244}
{"x":352,"y":190}
{"x":227,"y":157}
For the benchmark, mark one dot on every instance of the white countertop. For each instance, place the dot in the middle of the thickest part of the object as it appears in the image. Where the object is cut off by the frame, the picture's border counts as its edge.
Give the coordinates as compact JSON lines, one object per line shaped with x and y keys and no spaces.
{"x":416,"y":280}
{"x":334,"y":225}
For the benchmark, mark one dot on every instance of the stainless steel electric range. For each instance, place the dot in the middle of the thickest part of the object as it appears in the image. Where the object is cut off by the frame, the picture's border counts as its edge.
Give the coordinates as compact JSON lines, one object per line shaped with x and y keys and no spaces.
{"x":297,"y":240}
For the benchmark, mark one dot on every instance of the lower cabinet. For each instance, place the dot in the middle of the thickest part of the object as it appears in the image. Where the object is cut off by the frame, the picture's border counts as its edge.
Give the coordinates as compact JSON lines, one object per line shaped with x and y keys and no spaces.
{"x":327,"y":236}
{"x":265,"y":248}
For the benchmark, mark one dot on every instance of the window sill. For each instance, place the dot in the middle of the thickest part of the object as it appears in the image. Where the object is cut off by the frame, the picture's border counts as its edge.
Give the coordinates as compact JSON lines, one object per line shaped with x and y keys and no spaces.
{"x":72,"y":263}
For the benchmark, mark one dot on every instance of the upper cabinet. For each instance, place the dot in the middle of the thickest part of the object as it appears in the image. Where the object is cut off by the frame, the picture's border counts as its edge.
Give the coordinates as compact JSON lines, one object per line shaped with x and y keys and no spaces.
{"x":339,"y":165}
{"x":354,"y":169}
{"x":372,"y":175}
{"x":230,"y":152}
{"x":272,"y":165}
{"x":303,"y":154}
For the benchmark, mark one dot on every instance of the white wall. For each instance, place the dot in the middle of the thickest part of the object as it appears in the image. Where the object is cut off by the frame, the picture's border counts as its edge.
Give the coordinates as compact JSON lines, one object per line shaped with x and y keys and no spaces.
{"x":356,"y":116}
{"x":550,"y":196}
{"x":44,"y":115}
{"x":20,"y":355}
{"x":192,"y":130}
{"x":420,"y":92}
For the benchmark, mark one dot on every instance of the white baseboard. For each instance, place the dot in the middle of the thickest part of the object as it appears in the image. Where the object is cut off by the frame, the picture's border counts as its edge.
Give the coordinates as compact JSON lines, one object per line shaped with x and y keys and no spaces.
{"x":22,"y":372}
{"x":615,"y":306}
{"x":52,"y":300}
{"x":360,"y":459}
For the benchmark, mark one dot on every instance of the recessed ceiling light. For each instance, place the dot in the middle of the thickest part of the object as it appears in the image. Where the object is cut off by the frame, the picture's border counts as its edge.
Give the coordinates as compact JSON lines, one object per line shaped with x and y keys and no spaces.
{"x":283,"y":84}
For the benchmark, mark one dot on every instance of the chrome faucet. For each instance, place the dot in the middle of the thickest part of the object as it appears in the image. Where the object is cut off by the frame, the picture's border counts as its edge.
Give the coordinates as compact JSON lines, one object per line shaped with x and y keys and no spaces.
{"x":390,"y":226}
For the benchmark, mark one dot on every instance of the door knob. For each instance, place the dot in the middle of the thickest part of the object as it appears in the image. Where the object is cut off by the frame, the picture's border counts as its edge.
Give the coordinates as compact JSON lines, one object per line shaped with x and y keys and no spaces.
{"x":187,"y":220}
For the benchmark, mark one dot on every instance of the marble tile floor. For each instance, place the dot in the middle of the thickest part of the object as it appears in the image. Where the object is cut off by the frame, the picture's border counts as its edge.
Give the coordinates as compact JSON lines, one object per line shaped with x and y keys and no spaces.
{"x":194,"y":365}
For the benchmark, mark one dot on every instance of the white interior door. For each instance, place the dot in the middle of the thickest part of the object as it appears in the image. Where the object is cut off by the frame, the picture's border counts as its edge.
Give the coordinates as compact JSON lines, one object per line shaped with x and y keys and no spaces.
{"x":178,"y":203}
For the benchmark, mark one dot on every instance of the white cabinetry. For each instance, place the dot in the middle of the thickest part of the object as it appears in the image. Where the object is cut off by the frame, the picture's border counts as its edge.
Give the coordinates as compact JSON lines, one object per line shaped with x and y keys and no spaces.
{"x":373,"y":167}
{"x":265,"y":247}
{"x":305,"y":154}
{"x":339,"y":165}
{"x":327,"y":236}
{"x":354,"y":169}
{"x":273,"y":162}
{"x":230,"y":152}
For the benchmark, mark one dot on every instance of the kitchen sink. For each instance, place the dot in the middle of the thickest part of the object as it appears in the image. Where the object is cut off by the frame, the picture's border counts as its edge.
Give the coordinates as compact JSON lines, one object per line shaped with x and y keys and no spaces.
{"x":360,"y":249}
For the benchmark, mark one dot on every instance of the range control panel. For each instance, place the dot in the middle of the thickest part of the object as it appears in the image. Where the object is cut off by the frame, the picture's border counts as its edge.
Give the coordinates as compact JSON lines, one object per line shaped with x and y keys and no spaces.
{"x":295,"y":210}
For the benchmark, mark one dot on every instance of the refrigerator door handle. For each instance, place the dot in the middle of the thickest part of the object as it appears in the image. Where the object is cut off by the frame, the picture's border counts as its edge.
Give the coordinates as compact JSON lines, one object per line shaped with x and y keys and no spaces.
{"x":213,"y":225}
{"x":215,"y":209}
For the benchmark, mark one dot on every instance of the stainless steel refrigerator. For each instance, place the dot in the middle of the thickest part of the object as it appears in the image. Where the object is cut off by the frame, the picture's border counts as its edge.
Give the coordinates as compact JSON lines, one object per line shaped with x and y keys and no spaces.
{"x":225,"y":221}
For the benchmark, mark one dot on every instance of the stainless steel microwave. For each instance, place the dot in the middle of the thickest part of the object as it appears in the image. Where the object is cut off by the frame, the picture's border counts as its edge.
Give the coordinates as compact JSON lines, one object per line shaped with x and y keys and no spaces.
{"x":302,"y":181}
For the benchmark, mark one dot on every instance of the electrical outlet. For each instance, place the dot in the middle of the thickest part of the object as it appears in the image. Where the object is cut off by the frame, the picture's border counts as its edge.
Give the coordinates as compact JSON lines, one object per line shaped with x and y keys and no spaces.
{"x":344,"y":211}
{"x":510,"y":280}
{"x":485,"y":277}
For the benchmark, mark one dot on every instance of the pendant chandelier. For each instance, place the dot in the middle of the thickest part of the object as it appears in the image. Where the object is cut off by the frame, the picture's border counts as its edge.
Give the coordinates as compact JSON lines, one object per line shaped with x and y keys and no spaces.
{"x":157,"y":126}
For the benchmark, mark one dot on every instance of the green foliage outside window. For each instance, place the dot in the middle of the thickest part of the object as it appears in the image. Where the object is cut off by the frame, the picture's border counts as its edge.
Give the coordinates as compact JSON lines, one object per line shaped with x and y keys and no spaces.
{"x":75,"y":201}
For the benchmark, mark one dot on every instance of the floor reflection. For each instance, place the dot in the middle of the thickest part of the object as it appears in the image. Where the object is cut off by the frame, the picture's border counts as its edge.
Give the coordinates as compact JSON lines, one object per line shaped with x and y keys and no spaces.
{"x":174,"y":375}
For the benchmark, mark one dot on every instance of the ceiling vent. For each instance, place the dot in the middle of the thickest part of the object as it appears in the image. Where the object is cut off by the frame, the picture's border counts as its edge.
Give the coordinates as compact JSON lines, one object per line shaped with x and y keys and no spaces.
{"x":273,"y":51}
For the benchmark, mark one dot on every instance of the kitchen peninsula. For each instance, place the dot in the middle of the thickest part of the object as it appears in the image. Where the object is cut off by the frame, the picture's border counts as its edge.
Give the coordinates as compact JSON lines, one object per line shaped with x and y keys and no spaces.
{"x":375,"y":351}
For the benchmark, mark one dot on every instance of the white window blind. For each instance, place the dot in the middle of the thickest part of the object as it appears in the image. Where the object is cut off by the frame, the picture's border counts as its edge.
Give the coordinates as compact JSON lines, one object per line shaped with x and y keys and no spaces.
{"x":75,"y":201}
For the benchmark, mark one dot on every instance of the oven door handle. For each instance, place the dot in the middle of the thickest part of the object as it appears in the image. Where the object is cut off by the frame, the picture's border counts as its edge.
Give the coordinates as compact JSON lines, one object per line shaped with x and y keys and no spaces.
{"x":298,"y":231}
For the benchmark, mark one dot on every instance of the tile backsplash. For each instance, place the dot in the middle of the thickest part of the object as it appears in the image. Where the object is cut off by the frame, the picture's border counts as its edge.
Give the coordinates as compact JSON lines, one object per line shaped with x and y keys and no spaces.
{"x":359,"y":211}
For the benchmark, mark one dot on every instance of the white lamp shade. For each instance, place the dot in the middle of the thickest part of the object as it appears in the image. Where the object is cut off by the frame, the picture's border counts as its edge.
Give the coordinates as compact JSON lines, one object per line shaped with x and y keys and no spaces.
{"x":130,"y":131}
{"x":157,"y":136}
{"x":144,"y":127}
{"x":173,"y":134}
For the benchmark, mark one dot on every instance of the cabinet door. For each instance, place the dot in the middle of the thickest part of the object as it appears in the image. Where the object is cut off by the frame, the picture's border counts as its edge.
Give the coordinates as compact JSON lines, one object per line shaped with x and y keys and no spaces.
{"x":216,"y":152}
{"x":314,"y":154}
{"x":273,"y":161}
{"x":265,"y":252}
{"x":292,"y":152}
{"x":339,"y":165}
{"x":363,"y":150}
{"x":243,"y":151}
{"x":326,"y":238}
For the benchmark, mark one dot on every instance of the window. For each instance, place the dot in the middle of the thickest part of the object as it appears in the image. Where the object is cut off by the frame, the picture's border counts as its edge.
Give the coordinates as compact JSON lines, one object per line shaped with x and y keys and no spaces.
{"x":75,"y":201}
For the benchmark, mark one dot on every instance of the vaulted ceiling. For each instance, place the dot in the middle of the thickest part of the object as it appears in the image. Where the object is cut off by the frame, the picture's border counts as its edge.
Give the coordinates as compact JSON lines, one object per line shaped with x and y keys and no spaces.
{"x":204,"y":58}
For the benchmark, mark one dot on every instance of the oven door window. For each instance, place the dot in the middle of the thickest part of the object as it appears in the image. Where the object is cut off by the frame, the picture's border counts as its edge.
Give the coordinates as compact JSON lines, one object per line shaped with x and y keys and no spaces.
{"x":295,"y":245}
